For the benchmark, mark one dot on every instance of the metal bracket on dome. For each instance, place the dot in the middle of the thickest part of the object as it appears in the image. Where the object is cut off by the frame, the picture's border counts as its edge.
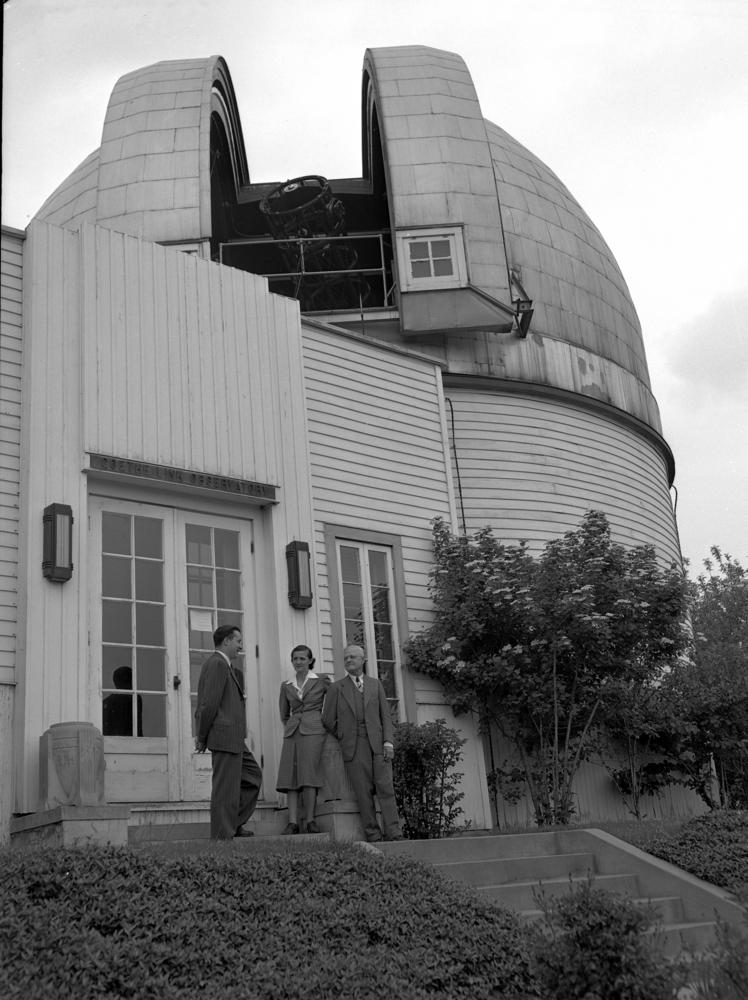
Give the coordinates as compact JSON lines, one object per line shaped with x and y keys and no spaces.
{"x":522,"y":304}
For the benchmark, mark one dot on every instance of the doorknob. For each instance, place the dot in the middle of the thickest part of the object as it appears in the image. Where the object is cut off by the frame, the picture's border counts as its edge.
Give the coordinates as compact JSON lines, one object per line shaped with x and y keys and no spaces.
{"x":177,"y":681}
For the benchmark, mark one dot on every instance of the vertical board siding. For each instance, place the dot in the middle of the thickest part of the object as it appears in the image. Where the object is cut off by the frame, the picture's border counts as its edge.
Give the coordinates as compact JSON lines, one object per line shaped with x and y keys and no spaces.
{"x":141,"y":352}
{"x":530,"y":468}
{"x":181,"y":359}
{"x":11,"y":361}
{"x":596,"y":798}
{"x":377,"y":456}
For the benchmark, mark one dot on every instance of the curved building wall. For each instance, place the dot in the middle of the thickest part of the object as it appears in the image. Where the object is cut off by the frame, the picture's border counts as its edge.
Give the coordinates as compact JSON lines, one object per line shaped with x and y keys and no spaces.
{"x":446,"y":165}
{"x":151,"y":175}
{"x":530,"y":467}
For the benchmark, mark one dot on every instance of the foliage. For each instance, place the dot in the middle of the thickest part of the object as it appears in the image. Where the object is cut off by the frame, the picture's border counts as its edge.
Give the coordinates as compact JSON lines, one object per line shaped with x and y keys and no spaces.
{"x":92,"y":923}
{"x":539,"y":648}
{"x":638,"y":719}
{"x":722,"y":973}
{"x":709,"y":748}
{"x":594,"y":947}
{"x":713,"y":847}
{"x":426,"y":784}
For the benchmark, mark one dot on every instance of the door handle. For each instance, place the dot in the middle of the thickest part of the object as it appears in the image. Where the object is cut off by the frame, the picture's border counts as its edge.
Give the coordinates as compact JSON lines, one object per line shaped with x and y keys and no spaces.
{"x":176,"y":682}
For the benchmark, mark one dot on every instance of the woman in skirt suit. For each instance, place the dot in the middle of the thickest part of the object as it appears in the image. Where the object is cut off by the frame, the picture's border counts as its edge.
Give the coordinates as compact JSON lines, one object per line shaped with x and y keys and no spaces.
{"x":300,"y":769}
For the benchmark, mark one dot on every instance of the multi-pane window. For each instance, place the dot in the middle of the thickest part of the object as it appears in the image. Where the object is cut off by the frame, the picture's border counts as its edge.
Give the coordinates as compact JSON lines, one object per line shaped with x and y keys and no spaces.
{"x":431,"y":258}
{"x":133,"y":651}
{"x":368,"y":611}
{"x":214,"y":592}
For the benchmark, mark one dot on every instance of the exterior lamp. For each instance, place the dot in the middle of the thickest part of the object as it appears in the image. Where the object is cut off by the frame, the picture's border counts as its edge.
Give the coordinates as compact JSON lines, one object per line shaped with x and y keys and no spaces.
{"x":57,"y":551}
{"x":523,"y":314}
{"x":298,"y":562}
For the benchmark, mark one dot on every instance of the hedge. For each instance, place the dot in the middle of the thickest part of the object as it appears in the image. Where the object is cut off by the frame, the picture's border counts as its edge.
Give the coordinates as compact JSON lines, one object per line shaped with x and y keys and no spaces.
{"x":713,"y":847}
{"x":96,"y":923}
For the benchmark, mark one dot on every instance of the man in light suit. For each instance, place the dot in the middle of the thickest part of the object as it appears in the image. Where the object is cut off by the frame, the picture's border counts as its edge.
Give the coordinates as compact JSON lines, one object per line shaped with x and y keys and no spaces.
{"x":356,"y":712}
{"x":222,"y":728}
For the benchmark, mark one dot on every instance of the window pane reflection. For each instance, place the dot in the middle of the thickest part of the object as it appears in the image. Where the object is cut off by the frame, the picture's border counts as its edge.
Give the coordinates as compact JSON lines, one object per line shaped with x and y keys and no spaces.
{"x":116,"y":621}
{"x":151,"y":670}
{"x":199,"y":587}
{"x":115,"y":533}
{"x":149,"y":580}
{"x":227,"y":548}
{"x":115,"y":576}
{"x":113,"y":657}
{"x":154,"y":715}
{"x":199,"y":549}
{"x":148,"y":537}
{"x":228,"y":589}
{"x":349,"y":566}
{"x":150,"y":624}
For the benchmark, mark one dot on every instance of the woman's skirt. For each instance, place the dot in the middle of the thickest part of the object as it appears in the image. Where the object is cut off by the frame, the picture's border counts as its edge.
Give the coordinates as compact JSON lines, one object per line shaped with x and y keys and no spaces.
{"x":301,"y":762}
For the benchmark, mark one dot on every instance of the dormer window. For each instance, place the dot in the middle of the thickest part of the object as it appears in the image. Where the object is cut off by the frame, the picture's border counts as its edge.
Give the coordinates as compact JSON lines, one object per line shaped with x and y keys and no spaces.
{"x":431,"y":258}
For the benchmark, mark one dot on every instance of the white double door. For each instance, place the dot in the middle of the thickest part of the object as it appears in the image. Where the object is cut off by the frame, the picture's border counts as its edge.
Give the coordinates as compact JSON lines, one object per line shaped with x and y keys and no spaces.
{"x":162,"y":580}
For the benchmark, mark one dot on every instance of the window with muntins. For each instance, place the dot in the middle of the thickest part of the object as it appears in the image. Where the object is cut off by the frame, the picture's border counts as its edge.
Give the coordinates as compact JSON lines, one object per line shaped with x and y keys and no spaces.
{"x":368,"y":616}
{"x":431,"y":258}
{"x":133,"y":653}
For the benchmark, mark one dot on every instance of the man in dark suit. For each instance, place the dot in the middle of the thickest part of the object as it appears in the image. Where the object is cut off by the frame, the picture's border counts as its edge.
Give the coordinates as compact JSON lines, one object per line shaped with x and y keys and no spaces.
{"x":222,"y":728}
{"x":356,"y":712}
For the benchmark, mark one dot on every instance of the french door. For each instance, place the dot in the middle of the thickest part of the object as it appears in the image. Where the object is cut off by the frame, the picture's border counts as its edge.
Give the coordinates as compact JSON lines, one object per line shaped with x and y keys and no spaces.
{"x":162,"y":581}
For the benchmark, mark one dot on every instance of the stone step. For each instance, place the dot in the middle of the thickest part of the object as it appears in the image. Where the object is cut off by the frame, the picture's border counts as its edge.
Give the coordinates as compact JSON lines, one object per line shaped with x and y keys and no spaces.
{"x":498,"y":871}
{"x":695,"y":936}
{"x":477,"y":847}
{"x":521,"y":895}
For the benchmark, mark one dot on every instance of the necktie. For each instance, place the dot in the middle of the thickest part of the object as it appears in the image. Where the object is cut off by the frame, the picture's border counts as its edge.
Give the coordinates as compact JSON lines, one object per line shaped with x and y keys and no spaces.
{"x":358,"y":681}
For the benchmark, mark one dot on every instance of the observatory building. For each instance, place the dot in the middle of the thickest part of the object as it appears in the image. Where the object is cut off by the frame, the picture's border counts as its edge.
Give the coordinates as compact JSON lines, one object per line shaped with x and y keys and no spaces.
{"x":240,"y":402}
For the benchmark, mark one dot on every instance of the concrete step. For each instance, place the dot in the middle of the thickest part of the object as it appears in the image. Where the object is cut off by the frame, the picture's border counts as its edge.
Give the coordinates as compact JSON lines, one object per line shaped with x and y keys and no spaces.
{"x":521,"y":895}
{"x":498,"y":871}
{"x":475,"y":847}
{"x":694,"y":936}
{"x":189,"y":821}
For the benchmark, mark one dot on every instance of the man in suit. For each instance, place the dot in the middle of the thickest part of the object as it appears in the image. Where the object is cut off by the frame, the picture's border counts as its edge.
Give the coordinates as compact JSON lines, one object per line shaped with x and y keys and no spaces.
{"x":222,"y":728}
{"x":356,"y":712}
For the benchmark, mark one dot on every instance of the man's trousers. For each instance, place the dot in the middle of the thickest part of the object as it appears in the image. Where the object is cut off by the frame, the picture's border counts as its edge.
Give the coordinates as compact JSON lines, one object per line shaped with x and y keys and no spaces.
{"x":237,"y":779}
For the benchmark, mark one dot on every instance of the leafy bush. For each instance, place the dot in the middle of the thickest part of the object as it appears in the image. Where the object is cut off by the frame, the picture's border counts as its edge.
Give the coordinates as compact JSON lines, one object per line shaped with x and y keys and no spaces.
{"x":425,"y":780}
{"x":722,"y":974}
{"x":713,"y":847}
{"x":592,"y":945}
{"x":88,"y":924}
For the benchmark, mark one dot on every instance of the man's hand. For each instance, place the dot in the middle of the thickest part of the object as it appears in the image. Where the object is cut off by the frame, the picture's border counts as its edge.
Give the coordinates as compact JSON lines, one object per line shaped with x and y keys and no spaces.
{"x":388,"y":751}
{"x":199,"y":747}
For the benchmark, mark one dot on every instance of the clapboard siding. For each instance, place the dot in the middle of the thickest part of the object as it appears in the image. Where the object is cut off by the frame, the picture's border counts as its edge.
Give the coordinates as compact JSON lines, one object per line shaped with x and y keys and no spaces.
{"x":378,"y":456}
{"x":11,"y":354}
{"x":531,"y":467}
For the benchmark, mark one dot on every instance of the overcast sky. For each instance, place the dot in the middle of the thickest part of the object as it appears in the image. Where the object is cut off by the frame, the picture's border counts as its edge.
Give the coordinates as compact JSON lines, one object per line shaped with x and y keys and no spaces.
{"x":639,"y":106}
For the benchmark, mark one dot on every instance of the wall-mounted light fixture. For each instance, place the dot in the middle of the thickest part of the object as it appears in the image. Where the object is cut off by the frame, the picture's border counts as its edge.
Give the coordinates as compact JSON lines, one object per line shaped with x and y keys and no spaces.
{"x":57,"y":552}
{"x":298,"y":562}
{"x":523,"y":314}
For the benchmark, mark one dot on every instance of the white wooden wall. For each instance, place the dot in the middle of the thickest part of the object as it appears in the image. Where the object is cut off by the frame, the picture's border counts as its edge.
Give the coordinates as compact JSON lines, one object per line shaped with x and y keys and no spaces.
{"x":11,"y":360}
{"x":144,"y":353}
{"x":378,"y":453}
{"x":380,"y":462}
{"x":530,"y":467}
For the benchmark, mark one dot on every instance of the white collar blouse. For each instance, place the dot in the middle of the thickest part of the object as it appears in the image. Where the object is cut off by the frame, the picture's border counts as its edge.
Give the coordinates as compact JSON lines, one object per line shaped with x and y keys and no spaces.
{"x":310,"y":676}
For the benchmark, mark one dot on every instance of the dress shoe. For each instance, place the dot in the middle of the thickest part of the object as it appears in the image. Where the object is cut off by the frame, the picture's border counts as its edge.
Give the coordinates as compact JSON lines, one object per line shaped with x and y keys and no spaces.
{"x":312,"y":827}
{"x":292,"y":828}
{"x":241,"y":832}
